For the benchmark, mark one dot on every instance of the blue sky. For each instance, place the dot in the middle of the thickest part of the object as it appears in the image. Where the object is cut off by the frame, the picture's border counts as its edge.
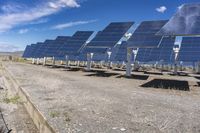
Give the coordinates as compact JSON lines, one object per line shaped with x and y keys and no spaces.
{"x":24,"y":22}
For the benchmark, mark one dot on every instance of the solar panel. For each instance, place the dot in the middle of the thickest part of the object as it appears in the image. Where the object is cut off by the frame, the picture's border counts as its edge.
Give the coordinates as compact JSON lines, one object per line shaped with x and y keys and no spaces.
{"x":163,"y":53}
{"x":186,"y":21}
{"x":74,"y":44}
{"x":190,"y":49}
{"x":111,"y":35}
{"x":144,"y":36}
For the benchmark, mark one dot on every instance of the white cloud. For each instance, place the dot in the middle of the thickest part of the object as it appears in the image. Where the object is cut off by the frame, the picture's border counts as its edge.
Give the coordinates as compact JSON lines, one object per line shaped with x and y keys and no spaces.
{"x":23,"y":31}
{"x":19,"y":14}
{"x":161,"y":9}
{"x":71,"y":24}
{"x":6,"y":47}
{"x":40,"y":21}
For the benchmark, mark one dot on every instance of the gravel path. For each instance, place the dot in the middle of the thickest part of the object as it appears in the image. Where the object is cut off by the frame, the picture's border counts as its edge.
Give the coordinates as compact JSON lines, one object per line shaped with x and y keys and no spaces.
{"x":78,"y":103}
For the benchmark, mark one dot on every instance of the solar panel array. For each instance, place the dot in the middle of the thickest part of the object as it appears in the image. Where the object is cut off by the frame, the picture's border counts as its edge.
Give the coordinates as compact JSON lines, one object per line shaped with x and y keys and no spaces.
{"x":151,"y":46}
{"x":190,"y":49}
{"x":60,"y":47}
{"x":186,"y":21}
{"x":144,"y":35}
{"x":163,"y":53}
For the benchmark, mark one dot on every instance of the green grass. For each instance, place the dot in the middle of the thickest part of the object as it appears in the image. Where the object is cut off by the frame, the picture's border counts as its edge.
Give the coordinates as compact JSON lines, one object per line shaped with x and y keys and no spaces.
{"x":14,"y":99}
{"x":54,"y":114}
{"x":67,"y":119}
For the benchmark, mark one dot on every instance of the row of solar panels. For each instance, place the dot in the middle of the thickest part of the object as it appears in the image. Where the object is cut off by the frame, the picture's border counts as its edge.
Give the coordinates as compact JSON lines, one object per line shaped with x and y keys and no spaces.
{"x":152,"y":47}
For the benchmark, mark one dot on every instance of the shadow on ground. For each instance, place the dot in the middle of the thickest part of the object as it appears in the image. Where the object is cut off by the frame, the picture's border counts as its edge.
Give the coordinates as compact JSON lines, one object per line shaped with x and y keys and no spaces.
{"x":153,"y":73}
{"x":139,"y":77}
{"x":197,"y":77}
{"x":198,"y":84}
{"x":119,"y":69}
{"x":179,"y":74}
{"x":74,"y":69}
{"x":167,"y":84}
{"x":101,"y":74}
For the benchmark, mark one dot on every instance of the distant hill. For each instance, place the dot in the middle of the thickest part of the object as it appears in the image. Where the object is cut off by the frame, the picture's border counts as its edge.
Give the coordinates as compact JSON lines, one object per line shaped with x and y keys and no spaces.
{"x":16,"y":53}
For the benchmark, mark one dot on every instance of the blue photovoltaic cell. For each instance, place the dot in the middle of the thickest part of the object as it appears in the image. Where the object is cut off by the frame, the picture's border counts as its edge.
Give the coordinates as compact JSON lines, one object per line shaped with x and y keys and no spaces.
{"x":144,"y":36}
{"x":190,"y":49}
{"x":186,"y":21}
{"x":34,"y":48}
{"x":94,"y":50}
{"x":163,"y":53}
{"x":39,"y":53}
{"x":48,"y":48}
{"x":121,"y":52}
{"x":75,"y":43}
{"x":59,"y":42}
{"x":30,"y":51}
{"x":111,"y":35}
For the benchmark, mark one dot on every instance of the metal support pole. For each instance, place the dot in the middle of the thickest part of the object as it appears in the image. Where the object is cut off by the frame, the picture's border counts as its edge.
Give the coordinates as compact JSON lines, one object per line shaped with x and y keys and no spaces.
{"x":193,"y":66}
{"x":156,"y":65}
{"x":110,"y":65}
{"x":181,"y":66}
{"x":175,"y":68}
{"x":176,"y":51}
{"x":78,"y":63}
{"x":162,"y":65}
{"x":38,"y":61}
{"x":44,"y":61}
{"x":198,"y":67}
{"x":53,"y":61}
{"x":33,"y":60}
{"x":135,"y":63}
{"x":67,"y":61}
{"x":171,"y":66}
{"x":101,"y":64}
{"x":89,"y":61}
{"x":128,"y":64}
{"x":109,"y":61}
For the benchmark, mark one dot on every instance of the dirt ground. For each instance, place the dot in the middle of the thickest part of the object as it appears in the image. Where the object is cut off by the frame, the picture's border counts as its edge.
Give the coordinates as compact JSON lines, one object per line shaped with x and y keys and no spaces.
{"x":80,"y":102}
